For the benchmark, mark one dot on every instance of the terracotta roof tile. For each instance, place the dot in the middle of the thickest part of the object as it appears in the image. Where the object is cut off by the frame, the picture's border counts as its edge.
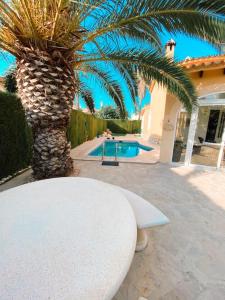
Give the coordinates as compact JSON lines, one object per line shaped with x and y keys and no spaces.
{"x":191,"y":63}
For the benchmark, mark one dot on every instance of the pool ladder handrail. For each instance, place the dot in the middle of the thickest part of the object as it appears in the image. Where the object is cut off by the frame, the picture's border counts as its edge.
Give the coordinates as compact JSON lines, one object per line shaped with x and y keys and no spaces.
{"x":103,"y":151}
{"x":116,"y":152}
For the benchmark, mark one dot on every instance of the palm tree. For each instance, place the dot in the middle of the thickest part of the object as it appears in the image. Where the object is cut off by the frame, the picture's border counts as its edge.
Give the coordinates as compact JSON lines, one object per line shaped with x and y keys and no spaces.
{"x":58,"y":42}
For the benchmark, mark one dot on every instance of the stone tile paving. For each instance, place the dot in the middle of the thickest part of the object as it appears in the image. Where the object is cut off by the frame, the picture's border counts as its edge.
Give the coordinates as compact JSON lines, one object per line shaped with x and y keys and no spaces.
{"x":184,"y":260}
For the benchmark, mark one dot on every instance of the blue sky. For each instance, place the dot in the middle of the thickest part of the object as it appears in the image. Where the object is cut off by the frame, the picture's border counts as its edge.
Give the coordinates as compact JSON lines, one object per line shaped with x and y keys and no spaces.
{"x":185,"y":47}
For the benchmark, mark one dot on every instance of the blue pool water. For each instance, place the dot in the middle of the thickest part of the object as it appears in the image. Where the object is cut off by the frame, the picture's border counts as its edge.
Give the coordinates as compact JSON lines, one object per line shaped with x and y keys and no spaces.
{"x":124,"y":149}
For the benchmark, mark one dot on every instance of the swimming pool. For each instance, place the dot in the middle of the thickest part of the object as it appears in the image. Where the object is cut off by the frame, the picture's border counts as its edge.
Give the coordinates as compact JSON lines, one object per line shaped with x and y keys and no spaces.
{"x":123,"y":149}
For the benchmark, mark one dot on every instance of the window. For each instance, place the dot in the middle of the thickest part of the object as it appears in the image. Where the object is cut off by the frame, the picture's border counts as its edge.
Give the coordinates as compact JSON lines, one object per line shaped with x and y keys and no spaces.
{"x":221,"y":126}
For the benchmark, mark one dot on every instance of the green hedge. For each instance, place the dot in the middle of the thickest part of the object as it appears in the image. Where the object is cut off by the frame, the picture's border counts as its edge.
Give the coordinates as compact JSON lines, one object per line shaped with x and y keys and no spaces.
{"x":84,"y":127}
{"x":124,"y":126}
{"x":15,"y":136}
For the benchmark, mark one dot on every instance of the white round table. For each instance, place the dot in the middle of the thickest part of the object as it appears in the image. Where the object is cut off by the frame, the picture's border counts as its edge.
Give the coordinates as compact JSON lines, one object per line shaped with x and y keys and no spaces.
{"x":65,"y":238}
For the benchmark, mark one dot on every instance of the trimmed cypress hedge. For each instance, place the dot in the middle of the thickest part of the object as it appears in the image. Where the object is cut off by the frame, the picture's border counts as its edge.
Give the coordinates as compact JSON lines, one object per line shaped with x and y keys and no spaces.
{"x":15,"y":136}
{"x":124,"y":126}
{"x":84,"y":127}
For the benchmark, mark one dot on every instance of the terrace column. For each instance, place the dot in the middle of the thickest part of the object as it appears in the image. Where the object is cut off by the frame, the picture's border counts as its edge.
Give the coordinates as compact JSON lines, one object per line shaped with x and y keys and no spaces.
{"x":173,"y":107}
{"x":191,"y":136}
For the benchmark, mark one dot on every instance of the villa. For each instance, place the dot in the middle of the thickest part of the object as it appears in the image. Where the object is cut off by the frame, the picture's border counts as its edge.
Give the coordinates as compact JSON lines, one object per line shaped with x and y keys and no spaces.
{"x":182,"y":260}
{"x":97,"y":203}
{"x":190,"y":139}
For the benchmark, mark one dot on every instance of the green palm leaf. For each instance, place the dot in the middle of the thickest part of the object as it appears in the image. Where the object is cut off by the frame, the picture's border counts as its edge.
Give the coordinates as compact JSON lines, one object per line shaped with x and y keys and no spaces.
{"x":195,"y":18}
{"x":86,"y":94}
{"x":152,"y":66}
{"x":111,"y":86}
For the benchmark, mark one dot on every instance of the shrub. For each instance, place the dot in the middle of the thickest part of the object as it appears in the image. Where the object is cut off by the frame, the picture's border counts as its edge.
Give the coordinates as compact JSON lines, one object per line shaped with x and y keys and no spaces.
{"x":124,"y":126}
{"x":108,"y":112}
{"x":15,"y":136}
{"x":10,"y":81}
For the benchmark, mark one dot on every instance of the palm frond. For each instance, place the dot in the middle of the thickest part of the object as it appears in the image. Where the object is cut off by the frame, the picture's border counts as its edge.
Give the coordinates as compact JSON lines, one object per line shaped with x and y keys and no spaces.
{"x":196,"y":18}
{"x":86,"y":94}
{"x":110,"y":85}
{"x":152,"y":66}
{"x":130,"y":77}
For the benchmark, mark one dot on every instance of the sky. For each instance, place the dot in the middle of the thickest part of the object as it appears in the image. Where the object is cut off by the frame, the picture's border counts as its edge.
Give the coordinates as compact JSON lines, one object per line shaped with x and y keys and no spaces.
{"x":185,"y":46}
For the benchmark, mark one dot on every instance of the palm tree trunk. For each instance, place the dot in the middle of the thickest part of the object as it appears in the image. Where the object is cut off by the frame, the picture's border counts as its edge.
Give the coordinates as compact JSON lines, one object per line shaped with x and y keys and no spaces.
{"x":46,"y":87}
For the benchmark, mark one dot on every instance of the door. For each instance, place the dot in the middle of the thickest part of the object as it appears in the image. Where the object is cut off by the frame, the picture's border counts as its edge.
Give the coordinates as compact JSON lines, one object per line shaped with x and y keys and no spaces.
{"x":212,"y":125}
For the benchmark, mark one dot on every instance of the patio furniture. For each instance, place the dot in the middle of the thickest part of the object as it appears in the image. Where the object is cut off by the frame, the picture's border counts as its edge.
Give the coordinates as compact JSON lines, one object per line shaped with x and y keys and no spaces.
{"x":197,"y":147}
{"x":65,"y":238}
{"x":146,"y":215}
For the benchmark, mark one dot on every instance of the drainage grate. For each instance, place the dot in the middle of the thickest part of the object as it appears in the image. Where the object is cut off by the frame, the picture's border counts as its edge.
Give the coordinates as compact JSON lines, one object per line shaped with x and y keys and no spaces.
{"x":110,"y":163}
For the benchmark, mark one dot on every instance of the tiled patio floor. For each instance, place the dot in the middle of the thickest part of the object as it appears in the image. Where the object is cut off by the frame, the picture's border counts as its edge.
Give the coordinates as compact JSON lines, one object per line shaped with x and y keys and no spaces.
{"x":184,"y":260}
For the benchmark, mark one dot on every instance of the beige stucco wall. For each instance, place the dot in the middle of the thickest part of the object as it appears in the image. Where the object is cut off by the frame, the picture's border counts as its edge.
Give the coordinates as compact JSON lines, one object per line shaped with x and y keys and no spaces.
{"x":154,"y":116}
{"x":158,"y":104}
{"x":213,"y":81}
{"x":146,"y":123}
{"x":173,"y":107}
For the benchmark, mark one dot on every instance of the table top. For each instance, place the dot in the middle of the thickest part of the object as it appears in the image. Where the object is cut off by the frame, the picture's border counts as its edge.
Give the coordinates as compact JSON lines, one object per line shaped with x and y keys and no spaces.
{"x":64,"y":238}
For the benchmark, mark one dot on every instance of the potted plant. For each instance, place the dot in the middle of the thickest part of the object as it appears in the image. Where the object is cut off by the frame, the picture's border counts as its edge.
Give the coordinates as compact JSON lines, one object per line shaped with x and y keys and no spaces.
{"x":177,"y":150}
